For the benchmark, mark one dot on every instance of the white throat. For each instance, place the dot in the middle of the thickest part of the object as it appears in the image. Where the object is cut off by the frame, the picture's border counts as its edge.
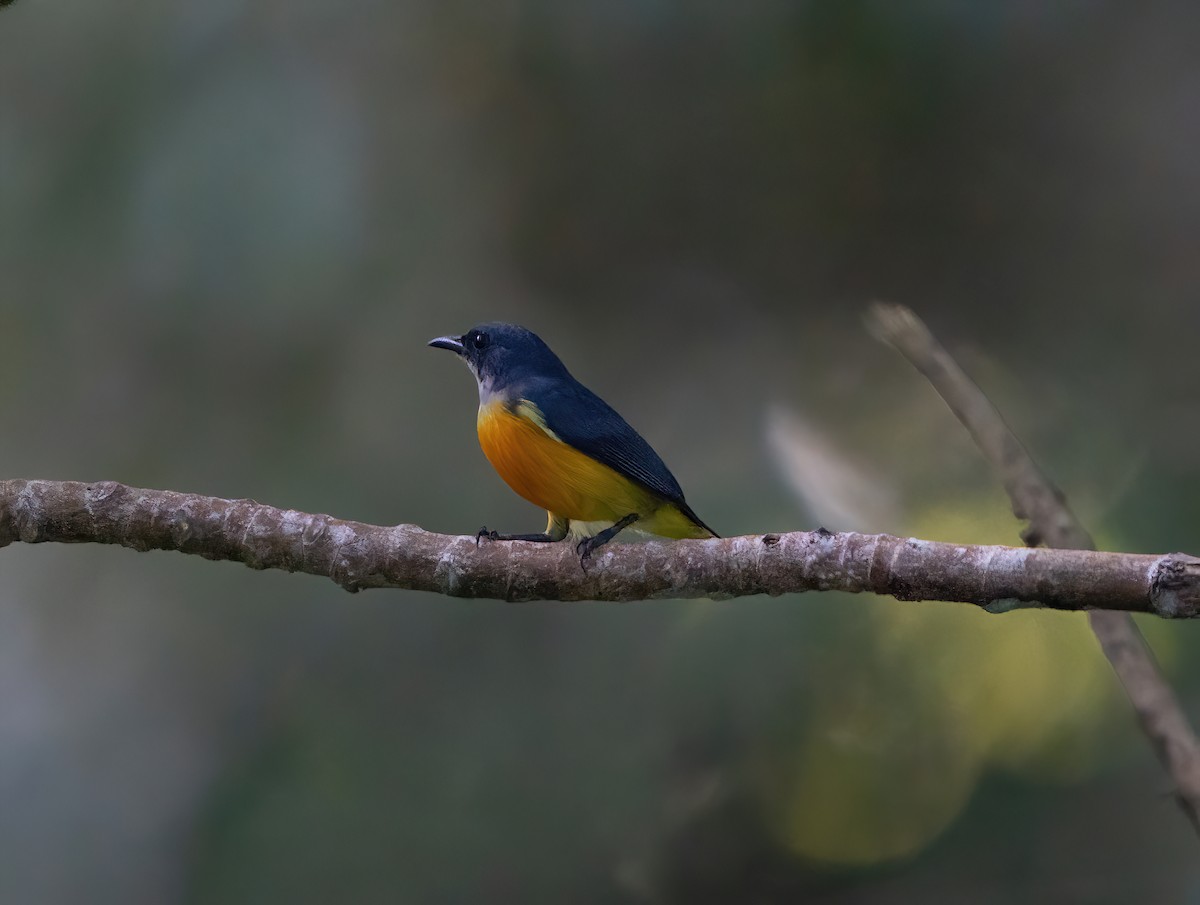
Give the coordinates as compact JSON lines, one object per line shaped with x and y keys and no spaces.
{"x":487,"y":392}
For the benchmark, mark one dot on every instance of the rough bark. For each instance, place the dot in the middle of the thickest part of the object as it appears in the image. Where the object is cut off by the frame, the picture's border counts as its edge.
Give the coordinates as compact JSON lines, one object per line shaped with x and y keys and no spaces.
{"x":359,"y":556}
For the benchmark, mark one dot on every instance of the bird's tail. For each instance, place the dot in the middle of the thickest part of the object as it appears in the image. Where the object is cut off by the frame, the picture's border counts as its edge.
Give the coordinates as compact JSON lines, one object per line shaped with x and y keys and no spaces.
{"x":677,"y":520}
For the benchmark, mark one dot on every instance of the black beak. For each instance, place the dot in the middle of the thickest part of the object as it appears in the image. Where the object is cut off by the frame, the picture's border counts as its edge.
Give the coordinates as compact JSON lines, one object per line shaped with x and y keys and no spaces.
{"x":453,"y":343}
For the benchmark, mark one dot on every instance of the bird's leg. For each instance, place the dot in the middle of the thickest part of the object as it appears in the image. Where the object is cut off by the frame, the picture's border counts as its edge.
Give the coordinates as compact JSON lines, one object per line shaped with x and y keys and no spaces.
{"x":586,"y":547}
{"x":556,"y":530}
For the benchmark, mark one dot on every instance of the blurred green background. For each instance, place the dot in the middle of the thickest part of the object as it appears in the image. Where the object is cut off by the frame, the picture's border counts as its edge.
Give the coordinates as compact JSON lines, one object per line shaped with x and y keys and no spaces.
{"x":227,"y":230}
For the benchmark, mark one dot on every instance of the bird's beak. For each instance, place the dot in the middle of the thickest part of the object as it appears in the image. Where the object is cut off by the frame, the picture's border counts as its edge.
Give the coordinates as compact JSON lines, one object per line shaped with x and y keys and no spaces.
{"x":453,"y":343}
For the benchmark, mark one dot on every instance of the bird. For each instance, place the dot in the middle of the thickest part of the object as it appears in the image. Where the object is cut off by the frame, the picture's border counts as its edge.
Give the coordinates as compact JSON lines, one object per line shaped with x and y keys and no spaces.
{"x":563,"y":448}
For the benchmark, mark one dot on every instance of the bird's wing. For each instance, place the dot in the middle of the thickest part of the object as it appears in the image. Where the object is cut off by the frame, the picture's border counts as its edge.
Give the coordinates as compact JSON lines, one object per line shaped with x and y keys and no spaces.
{"x":578,"y":417}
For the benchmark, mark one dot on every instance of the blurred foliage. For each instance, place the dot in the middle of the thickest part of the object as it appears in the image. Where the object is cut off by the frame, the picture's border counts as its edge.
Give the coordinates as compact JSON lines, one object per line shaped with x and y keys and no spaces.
{"x":226,"y":231}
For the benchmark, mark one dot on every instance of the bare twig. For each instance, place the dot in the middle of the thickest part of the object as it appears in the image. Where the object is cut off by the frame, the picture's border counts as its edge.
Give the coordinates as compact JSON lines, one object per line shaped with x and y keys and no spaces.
{"x":359,"y":556}
{"x":1035,"y":498}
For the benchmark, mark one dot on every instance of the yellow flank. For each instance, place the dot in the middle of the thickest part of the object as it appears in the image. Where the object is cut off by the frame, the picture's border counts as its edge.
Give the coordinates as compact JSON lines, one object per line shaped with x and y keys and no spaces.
{"x":564,"y":481}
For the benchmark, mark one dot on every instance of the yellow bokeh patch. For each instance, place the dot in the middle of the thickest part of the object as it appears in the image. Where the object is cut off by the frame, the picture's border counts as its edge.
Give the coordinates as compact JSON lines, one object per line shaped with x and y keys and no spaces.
{"x":888,"y":759}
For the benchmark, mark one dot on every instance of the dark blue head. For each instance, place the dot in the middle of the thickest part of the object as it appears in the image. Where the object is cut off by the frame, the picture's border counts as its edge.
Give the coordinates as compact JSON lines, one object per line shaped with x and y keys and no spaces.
{"x":502,"y":355}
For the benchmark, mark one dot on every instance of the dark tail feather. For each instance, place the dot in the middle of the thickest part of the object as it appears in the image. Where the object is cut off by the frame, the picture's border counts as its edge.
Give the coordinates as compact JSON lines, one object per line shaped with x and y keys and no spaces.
{"x":687,"y":510}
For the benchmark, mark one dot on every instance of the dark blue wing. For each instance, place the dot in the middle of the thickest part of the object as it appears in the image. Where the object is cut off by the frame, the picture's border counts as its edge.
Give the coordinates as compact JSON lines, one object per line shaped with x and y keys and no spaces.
{"x":583,"y":420}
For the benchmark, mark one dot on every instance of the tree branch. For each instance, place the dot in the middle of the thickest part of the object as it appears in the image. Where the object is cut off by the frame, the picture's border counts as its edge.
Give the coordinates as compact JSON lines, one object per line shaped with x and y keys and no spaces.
{"x":359,"y":556}
{"x":1036,"y":498}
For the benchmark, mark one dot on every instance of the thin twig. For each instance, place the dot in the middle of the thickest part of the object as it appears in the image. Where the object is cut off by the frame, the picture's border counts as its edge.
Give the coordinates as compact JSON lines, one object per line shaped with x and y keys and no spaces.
{"x":359,"y":556}
{"x":1051,"y":522}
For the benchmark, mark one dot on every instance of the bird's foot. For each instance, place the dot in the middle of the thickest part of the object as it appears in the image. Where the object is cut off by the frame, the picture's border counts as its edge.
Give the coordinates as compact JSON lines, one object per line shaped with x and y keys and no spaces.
{"x":585,"y":548}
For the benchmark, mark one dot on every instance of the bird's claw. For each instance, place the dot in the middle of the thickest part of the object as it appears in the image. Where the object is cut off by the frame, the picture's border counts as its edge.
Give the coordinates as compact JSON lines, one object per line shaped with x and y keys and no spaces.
{"x":484,"y":534}
{"x":585,"y":548}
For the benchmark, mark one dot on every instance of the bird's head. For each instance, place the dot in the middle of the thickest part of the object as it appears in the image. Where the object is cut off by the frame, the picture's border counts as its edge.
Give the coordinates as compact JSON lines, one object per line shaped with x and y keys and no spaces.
{"x":502,"y":355}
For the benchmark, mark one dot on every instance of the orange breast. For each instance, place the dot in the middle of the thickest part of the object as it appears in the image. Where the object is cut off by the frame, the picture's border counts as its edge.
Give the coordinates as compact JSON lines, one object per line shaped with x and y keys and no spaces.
{"x":553,"y":475}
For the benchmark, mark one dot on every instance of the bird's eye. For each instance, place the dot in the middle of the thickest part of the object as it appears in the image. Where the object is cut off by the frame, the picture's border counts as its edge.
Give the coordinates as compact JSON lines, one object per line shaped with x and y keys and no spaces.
{"x":478,"y":339}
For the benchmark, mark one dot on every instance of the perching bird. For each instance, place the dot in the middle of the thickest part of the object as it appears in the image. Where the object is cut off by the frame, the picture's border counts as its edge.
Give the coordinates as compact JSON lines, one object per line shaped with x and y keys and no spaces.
{"x":562,"y":447}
